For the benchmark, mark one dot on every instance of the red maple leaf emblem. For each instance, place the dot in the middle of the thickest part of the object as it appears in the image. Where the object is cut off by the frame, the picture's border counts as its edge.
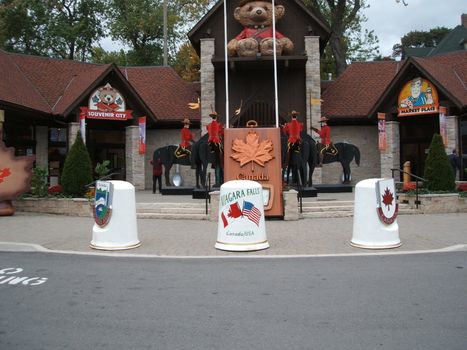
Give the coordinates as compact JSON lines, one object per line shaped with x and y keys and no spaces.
{"x":387,"y":197}
{"x":5,"y":172}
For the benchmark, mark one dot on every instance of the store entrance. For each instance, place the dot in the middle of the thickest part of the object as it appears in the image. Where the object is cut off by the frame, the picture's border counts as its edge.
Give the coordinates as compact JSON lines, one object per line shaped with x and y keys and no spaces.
{"x":108,"y":145}
{"x":415,"y":139}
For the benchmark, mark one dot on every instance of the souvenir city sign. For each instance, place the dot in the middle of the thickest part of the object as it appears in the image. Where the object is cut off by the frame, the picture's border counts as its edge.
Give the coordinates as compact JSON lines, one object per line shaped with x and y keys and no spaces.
{"x":103,"y":203}
{"x":106,"y":103}
{"x":417,"y":97}
{"x":254,"y":154}
{"x":386,"y":204}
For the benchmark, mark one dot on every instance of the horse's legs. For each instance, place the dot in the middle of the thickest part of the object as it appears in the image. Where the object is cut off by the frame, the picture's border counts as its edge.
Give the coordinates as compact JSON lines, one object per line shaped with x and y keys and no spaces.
{"x":167,"y":175}
{"x":346,"y":168}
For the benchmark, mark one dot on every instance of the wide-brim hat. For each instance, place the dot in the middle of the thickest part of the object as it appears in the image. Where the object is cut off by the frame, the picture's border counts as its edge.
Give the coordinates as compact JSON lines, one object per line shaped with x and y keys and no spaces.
{"x":213,"y":114}
{"x":244,"y":2}
{"x":323,"y":120}
{"x":186,"y":121}
{"x":294,"y":113}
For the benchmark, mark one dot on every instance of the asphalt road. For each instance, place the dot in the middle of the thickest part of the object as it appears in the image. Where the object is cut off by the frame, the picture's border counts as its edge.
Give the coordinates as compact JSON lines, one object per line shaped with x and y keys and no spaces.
{"x":54,"y":301}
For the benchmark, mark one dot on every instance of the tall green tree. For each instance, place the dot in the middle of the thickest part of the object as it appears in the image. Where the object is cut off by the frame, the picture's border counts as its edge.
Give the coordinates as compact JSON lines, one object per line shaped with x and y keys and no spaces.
{"x":187,"y":63}
{"x":418,"y":39}
{"x":55,"y":28}
{"x":139,"y":24}
{"x":438,"y":174}
{"x":348,"y":42}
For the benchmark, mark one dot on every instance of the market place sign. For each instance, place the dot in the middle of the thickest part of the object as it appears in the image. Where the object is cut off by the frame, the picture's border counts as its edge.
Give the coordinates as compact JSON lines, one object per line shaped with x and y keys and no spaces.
{"x":106,"y":103}
{"x":417,"y":97}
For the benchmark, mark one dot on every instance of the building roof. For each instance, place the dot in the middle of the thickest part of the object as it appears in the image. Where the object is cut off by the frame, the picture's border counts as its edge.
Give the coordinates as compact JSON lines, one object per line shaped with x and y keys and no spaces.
{"x":55,"y":86}
{"x":357,"y":90}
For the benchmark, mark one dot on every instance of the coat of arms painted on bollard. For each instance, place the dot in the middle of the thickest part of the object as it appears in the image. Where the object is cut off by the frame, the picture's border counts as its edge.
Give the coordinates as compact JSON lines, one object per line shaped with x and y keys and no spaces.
{"x":103,"y":203}
{"x":386,"y":204}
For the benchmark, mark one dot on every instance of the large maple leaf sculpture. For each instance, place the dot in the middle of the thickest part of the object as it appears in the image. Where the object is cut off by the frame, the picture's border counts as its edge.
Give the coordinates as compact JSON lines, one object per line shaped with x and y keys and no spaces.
{"x":387,"y":198}
{"x":252,"y":150}
{"x":15,"y":173}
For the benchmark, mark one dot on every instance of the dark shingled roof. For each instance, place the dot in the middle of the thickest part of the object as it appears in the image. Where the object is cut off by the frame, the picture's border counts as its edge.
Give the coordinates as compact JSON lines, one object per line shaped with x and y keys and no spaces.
{"x":358,"y":91}
{"x":54,"y":86}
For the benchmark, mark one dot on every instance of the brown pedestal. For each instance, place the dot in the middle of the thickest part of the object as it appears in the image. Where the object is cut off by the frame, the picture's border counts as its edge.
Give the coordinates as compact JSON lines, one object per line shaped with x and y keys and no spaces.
{"x":255,"y":154}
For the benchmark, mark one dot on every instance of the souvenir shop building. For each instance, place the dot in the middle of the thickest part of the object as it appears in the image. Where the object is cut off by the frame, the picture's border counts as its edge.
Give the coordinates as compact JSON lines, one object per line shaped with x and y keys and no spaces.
{"x":44,"y":101}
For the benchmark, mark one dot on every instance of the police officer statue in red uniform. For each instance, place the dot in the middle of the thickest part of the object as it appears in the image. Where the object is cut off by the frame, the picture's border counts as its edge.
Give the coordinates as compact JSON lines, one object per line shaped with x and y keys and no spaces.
{"x":325,"y":136}
{"x":186,"y":137}
{"x":216,"y":132}
{"x":293,"y":129}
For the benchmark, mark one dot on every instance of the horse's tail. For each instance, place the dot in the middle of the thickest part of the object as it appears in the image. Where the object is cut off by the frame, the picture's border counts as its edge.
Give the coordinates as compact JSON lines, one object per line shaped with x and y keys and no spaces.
{"x":357,"y":155}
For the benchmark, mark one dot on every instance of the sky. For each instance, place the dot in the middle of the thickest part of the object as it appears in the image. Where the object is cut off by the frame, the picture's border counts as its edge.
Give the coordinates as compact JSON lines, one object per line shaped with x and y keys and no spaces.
{"x":391,"y":21}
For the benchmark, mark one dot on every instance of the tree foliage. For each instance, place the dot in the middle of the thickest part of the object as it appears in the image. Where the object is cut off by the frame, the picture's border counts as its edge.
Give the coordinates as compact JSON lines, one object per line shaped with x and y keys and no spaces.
{"x":419,"y":38}
{"x":438,"y":171}
{"x":348,"y":42}
{"x":53,"y":28}
{"x":187,"y":63}
{"x":77,"y":170}
{"x":139,"y":25}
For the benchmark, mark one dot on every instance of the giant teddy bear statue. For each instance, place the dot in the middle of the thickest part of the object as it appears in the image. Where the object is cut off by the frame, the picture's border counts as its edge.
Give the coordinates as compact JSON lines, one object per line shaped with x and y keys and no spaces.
{"x":256,"y":37}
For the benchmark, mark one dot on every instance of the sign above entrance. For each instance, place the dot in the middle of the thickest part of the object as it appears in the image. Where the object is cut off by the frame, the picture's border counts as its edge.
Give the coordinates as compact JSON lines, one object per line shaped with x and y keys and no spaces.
{"x":417,"y":97}
{"x":106,"y":103}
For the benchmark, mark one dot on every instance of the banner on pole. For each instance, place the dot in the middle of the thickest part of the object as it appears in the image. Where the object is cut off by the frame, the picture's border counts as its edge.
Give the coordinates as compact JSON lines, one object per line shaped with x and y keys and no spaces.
{"x":382,"y":131}
{"x":82,"y":126}
{"x":442,"y":125}
{"x":142,"y":135}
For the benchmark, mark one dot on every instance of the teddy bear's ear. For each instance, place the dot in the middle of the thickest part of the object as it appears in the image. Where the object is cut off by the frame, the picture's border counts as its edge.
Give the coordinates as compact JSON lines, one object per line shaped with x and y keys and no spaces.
{"x":280,"y":11}
{"x":237,"y":13}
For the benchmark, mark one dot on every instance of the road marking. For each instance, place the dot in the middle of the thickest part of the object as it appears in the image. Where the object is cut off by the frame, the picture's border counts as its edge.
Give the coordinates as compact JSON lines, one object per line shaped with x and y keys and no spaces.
{"x":8,"y":276}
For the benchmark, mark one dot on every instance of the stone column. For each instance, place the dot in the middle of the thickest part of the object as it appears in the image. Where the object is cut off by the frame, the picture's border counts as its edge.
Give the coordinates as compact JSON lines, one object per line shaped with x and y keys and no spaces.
{"x":73,"y":129}
{"x":313,"y":91}
{"x":452,"y":128}
{"x":134,"y":162}
{"x":42,"y":146}
{"x":291,"y":211}
{"x":208,"y":92}
{"x":313,"y":82}
{"x":390,"y":157}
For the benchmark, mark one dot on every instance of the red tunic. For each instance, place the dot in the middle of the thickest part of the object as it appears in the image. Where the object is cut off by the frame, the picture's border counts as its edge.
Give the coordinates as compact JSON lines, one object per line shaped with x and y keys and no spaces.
{"x":215,"y":131}
{"x":258,"y":33}
{"x":293,"y":129}
{"x":186,"y":137}
{"x":325,"y":135}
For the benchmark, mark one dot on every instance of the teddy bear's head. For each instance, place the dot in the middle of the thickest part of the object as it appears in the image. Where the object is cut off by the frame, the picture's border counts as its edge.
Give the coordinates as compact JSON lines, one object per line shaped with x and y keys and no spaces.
{"x":107,"y":94}
{"x":257,"y":13}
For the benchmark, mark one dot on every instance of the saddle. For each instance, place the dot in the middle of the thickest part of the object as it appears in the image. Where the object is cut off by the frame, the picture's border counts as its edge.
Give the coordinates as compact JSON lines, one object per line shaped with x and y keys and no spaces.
{"x":181,"y":152}
{"x":331,"y":150}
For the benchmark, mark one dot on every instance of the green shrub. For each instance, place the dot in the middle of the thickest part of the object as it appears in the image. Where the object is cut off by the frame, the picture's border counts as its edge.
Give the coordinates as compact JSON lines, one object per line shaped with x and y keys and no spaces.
{"x":39,"y":184}
{"x":102,"y":169}
{"x":77,"y":171}
{"x":438,"y":171}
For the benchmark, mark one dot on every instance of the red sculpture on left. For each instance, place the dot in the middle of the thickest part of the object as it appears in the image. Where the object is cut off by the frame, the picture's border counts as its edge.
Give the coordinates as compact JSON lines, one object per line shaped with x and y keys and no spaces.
{"x":15,"y":177}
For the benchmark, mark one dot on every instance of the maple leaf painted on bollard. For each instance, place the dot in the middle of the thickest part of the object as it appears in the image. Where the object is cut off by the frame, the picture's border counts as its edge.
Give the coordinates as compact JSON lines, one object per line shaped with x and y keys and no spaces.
{"x":252,"y":150}
{"x":387,"y":197}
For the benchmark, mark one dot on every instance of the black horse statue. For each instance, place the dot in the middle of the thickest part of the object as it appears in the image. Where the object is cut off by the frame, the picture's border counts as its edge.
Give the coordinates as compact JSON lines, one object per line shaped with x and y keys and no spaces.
{"x":298,"y":161}
{"x":346,"y":152}
{"x":168,"y":158}
{"x":202,"y":156}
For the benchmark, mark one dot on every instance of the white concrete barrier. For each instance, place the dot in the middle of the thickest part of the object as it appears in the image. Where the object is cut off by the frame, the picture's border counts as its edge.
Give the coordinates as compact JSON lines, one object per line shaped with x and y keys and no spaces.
{"x":115,"y":226}
{"x":241,"y":225}
{"x":375,"y":212}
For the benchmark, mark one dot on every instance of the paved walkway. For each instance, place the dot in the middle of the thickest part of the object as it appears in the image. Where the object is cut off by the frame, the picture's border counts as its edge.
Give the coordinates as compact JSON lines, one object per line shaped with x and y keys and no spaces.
{"x":158,"y":237}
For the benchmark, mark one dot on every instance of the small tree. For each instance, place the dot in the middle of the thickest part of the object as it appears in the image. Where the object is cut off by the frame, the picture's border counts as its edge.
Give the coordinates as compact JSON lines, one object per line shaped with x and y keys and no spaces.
{"x":438,"y":171}
{"x":77,"y":171}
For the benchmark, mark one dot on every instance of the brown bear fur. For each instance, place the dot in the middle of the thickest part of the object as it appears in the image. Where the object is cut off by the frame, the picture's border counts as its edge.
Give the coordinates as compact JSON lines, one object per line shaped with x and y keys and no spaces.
{"x":256,"y":37}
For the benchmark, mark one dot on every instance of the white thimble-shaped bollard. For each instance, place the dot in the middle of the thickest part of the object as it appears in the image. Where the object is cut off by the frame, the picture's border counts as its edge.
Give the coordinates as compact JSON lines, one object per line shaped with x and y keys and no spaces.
{"x":241,"y":225}
{"x":375,"y":212}
{"x":115,"y":226}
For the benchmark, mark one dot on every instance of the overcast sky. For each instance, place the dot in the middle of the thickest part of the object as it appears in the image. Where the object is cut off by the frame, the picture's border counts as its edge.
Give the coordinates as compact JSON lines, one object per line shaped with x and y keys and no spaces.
{"x":391,"y":20}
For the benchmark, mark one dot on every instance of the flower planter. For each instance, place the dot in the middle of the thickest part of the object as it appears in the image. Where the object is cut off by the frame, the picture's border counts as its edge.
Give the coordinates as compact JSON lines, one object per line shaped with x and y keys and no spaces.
{"x":436,"y":203}
{"x":60,"y":206}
